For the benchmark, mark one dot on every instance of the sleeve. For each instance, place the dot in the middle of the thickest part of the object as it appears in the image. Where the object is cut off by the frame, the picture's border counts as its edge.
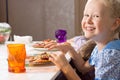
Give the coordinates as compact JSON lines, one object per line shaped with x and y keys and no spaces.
{"x":78,"y":42}
{"x":93,"y":58}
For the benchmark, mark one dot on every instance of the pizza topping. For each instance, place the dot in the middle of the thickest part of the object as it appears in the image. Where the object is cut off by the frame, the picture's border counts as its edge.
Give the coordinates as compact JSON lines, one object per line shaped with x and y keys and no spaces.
{"x":40,"y":58}
{"x":42,"y":44}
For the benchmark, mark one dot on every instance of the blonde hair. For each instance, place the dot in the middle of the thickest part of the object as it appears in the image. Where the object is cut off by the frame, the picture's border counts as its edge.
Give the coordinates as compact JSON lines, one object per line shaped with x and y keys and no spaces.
{"x":114,"y":5}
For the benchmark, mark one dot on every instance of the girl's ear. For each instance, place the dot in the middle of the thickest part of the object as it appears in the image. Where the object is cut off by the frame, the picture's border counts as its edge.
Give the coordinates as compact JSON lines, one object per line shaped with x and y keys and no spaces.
{"x":116,"y":25}
{"x":118,"y":21}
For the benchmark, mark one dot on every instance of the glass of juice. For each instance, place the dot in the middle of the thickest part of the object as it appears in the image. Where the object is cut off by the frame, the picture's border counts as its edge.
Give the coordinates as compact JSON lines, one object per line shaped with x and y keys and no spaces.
{"x":16,"y":58}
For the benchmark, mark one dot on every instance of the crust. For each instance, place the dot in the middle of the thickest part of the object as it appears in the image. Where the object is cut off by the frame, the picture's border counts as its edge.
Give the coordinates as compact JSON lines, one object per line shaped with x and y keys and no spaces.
{"x":39,"y":59}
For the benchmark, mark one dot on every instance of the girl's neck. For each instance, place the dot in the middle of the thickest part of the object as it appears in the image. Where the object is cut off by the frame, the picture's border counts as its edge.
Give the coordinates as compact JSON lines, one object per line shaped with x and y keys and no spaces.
{"x":102,"y":44}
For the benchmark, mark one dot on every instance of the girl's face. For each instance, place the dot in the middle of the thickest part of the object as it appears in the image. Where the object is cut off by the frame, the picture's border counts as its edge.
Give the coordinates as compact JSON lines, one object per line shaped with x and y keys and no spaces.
{"x":97,"y":22}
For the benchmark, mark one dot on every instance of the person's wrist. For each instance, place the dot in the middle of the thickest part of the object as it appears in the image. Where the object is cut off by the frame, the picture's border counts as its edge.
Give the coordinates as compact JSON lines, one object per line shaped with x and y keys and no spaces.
{"x":72,"y":53}
{"x":65,"y":68}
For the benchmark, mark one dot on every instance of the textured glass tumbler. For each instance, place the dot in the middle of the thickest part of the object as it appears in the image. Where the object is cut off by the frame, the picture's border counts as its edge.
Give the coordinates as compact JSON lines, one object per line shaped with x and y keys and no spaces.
{"x":60,"y":35}
{"x":16,"y":58}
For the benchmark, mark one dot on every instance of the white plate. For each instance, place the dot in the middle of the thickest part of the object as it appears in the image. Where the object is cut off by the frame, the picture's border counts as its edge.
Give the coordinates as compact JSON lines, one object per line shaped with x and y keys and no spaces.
{"x":44,"y":49}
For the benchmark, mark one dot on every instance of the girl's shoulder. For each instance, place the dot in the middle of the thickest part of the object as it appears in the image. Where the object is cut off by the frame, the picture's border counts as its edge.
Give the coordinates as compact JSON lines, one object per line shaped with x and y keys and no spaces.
{"x":113,"y":45}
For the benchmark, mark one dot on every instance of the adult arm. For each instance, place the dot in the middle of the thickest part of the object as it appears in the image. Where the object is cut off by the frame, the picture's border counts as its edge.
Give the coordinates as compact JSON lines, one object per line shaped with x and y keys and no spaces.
{"x":61,"y":62}
{"x":82,"y":65}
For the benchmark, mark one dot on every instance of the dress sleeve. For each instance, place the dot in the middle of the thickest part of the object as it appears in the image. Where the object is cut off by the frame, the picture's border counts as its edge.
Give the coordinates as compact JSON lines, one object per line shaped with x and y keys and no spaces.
{"x":93,"y":57}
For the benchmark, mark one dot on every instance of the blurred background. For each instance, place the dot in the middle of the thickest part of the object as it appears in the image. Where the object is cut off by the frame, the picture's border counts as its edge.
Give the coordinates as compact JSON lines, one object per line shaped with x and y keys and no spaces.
{"x":40,"y":18}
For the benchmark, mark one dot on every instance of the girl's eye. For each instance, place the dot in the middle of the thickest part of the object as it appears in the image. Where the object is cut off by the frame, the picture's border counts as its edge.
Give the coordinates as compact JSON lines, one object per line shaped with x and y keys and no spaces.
{"x":86,"y":15}
{"x":96,"y":16}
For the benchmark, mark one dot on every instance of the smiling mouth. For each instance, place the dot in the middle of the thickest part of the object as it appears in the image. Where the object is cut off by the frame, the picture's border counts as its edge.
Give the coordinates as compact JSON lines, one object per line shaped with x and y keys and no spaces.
{"x":90,"y":28}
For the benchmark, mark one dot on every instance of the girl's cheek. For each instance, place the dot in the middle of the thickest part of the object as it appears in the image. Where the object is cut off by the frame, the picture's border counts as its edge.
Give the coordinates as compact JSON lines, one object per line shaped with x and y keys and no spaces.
{"x":83,"y":23}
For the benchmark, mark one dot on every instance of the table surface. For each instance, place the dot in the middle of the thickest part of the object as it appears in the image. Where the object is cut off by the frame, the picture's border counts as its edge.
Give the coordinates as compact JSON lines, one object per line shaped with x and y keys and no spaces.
{"x":44,"y":72}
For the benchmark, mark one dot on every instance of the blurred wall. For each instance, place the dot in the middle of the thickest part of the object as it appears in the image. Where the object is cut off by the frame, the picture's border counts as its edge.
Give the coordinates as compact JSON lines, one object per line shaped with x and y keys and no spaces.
{"x":3,"y":11}
{"x":59,"y":15}
{"x":40,"y":18}
{"x":27,"y":17}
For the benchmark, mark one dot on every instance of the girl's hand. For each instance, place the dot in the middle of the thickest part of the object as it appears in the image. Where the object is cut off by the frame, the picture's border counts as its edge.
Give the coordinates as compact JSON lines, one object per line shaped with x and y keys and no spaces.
{"x":59,"y":59}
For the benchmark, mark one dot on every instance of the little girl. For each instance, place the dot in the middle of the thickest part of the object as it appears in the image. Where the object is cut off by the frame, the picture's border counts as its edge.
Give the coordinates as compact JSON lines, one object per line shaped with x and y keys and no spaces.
{"x":101,"y":22}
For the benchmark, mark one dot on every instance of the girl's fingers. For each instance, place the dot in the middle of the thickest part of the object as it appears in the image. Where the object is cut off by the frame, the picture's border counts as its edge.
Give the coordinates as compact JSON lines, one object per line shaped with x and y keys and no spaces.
{"x":58,"y":59}
{"x":48,"y":45}
{"x":54,"y":58}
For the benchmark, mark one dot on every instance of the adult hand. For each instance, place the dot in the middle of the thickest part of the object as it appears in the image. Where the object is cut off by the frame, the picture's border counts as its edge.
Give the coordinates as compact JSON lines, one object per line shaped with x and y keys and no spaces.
{"x":64,"y":47}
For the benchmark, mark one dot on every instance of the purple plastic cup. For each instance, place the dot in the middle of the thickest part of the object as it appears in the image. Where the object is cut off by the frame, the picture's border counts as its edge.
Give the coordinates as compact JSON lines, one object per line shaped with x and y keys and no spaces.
{"x":60,"y":35}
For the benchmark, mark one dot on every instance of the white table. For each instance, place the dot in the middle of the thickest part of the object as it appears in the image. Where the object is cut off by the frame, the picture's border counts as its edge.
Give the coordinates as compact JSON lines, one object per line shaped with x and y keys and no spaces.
{"x":32,"y":73}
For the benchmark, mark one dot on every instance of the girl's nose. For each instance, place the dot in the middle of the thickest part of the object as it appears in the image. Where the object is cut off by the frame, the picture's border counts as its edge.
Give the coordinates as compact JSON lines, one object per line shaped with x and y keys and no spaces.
{"x":89,"y":20}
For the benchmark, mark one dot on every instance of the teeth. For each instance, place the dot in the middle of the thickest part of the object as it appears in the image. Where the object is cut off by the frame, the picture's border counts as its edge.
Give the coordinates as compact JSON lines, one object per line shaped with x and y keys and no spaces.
{"x":90,"y":28}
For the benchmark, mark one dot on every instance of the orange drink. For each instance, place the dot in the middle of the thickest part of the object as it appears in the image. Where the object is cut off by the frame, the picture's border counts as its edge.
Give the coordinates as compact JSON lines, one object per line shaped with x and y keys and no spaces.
{"x":16,"y":58}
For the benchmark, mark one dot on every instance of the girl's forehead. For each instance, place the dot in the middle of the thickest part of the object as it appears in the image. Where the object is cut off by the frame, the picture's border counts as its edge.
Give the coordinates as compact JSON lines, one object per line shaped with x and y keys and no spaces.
{"x":93,"y":4}
{"x":96,"y":6}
